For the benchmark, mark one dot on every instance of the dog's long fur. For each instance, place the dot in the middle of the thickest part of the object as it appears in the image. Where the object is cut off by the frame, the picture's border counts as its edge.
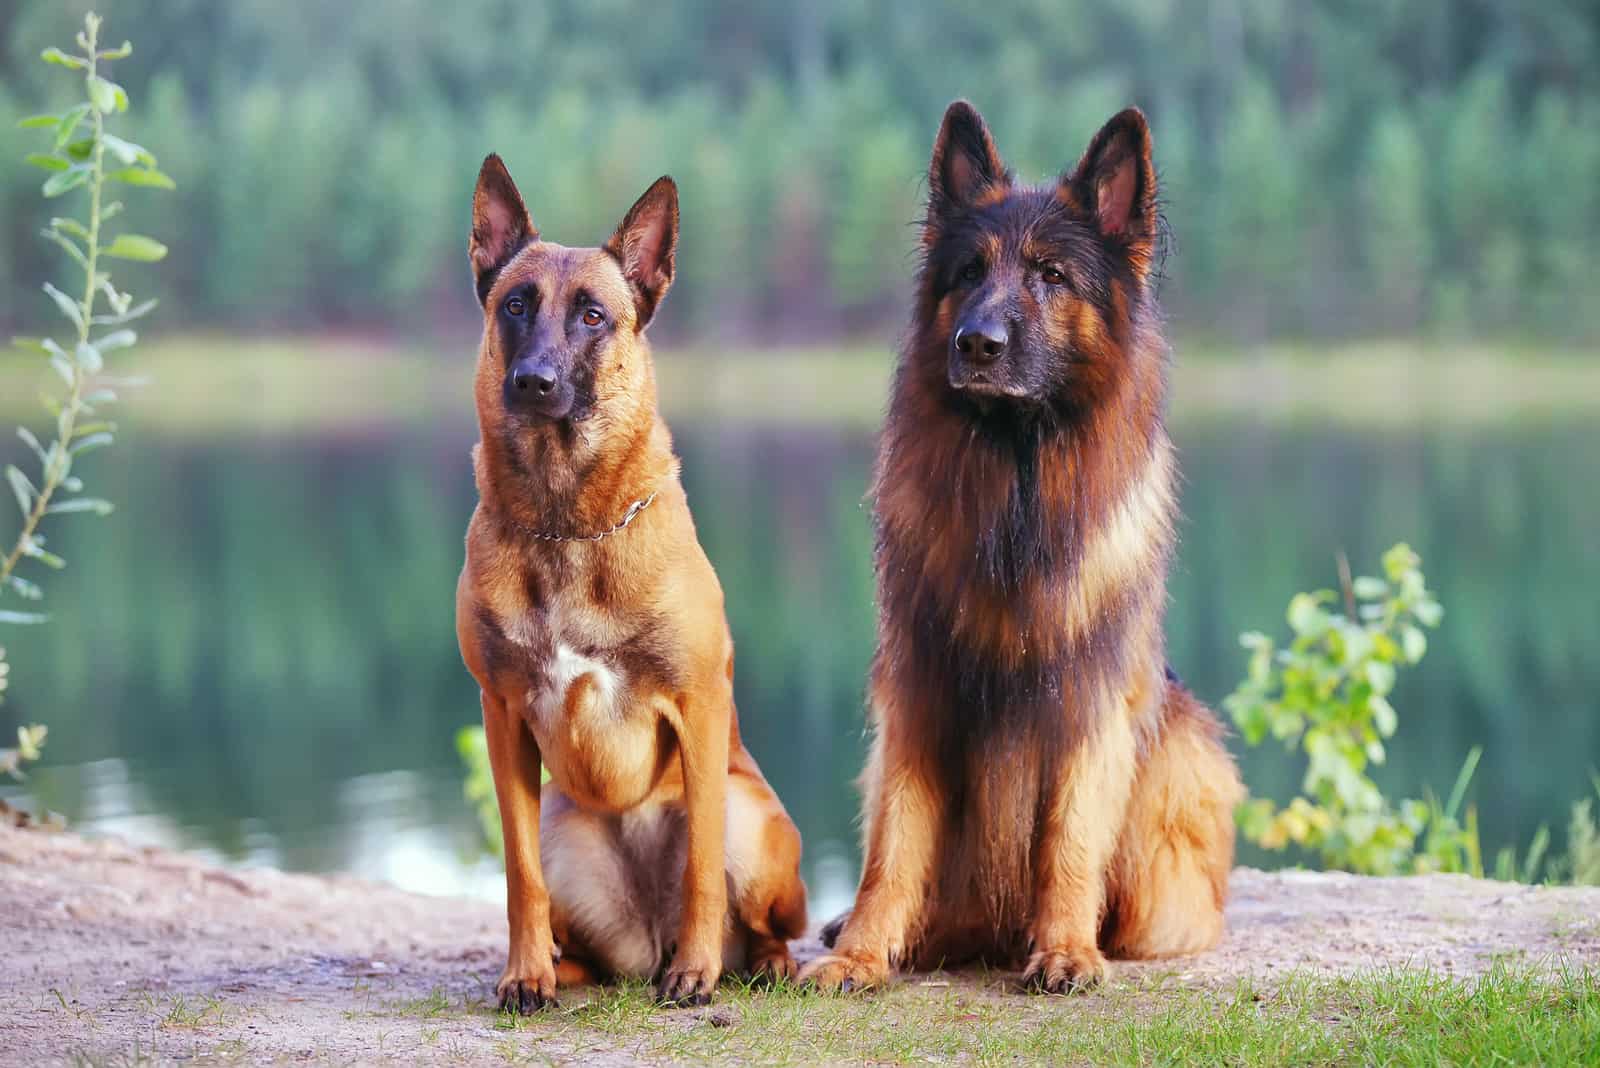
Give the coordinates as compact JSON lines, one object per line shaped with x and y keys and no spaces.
{"x":658,"y":849}
{"x":1039,"y":787}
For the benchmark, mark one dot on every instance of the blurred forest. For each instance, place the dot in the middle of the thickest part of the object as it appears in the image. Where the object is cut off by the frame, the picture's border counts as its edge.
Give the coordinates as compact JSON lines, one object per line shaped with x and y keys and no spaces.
{"x":1330,"y":168}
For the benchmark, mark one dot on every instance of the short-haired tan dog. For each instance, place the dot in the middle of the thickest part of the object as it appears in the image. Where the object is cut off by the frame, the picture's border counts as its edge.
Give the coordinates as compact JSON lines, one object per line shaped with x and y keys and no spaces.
{"x":594,"y":626}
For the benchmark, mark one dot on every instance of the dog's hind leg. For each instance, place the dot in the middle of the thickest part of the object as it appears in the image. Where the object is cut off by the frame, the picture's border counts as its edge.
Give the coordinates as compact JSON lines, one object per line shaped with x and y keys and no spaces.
{"x":766,"y":896}
{"x":601,"y":918}
{"x":1169,"y":879}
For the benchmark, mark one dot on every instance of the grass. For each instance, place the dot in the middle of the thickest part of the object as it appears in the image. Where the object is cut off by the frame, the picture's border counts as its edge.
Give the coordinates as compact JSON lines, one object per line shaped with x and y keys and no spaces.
{"x":217,"y":384}
{"x":1513,"y":1014}
{"x":1509,"y":1015}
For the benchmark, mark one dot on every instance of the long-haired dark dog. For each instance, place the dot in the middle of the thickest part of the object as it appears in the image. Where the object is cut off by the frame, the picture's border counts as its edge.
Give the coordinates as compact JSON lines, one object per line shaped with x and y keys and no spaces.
{"x":1040,"y":787}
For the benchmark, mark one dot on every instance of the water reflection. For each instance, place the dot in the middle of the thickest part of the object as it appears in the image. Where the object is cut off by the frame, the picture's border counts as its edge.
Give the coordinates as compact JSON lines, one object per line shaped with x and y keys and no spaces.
{"x":268,"y":670}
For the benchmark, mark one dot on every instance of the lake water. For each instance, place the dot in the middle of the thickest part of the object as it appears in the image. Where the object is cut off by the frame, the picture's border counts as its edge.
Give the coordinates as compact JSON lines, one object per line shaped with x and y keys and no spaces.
{"x":267,"y":669}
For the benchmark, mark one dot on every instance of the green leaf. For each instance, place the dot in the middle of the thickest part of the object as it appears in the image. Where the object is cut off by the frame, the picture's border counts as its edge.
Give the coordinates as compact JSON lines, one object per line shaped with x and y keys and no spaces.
{"x":61,"y":59}
{"x":89,"y":358}
{"x":126,"y":317}
{"x":79,"y":150}
{"x":71,"y":227}
{"x":127,"y":151}
{"x":118,"y":339}
{"x":1413,"y":643}
{"x":32,"y":344}
{"x":69,"y":123}
{"x":36,"y":551}
{"x":81,"y":504}
{"x":83,"y":430}
{"x":1459,"y":791}
{"x":121,"y":52}
{"x":93,"y":441}
{"x":65,"y":181}
{"x":48,"y":163}
{"x":21,"y":487}
{"x":63,"y":368}
{"x":30,"y":739}
{"x":30,"y":618}
{"x":136,"y":247}
{"x":33,"y":442}
{"x":40,"y":122}
{"x":1383,"y":715}
{"x":145,"y":176}
{"x":68,"y":306}
{"x":1370,"y":589}
{"x":1380,"y":675}
{"x":1306,"y":615}
{"x":67,"y":244}
{"x":107,"y":95}
{"x":25,"y":589}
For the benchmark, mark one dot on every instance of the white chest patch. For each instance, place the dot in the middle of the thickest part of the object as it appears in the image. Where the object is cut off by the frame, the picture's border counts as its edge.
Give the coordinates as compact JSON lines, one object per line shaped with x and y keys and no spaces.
{"x":568,"y":667}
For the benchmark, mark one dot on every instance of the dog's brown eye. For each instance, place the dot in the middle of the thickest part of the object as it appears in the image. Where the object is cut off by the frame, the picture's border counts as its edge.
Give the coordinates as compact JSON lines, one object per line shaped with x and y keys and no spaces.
{"x":1053,"y":276}
{"x":516,"y":306}
{"x":593,"y":317}
{"x":972,"y":271}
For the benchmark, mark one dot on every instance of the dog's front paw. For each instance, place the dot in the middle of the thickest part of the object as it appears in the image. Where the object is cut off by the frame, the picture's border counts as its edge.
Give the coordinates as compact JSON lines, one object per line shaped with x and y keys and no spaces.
{"x":527,"y":990}
{"x":1064,"y":970}
{"x":846,"y":972}
{"x":689,"y":980}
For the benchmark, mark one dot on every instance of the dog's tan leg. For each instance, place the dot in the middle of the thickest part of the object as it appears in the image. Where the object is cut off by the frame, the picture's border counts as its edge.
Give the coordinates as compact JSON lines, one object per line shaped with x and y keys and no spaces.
{"x":1169,"y":880}
{"x":1088,"y":799}
{"x":767,"y":897}
{"x":703,"y":739}
{"x":529,"y":980}
{"x":902,"y":836}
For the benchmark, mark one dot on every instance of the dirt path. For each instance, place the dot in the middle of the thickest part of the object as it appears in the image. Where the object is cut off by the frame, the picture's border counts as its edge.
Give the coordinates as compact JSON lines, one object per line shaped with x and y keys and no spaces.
{"x":115,"y":954}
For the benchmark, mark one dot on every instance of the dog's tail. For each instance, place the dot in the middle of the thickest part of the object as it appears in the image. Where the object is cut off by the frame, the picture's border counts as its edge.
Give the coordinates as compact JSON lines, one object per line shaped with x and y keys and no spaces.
{"x":831,"y":929}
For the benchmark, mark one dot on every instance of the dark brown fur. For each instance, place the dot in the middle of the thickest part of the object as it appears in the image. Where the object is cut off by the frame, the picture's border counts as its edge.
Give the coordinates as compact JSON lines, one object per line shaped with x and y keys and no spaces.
{"x":1038,"y":789}
{"x":608,"y":660}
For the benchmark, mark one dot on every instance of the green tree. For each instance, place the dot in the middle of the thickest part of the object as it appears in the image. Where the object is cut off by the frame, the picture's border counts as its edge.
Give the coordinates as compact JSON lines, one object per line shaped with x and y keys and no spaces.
{"x":1399,"y":256}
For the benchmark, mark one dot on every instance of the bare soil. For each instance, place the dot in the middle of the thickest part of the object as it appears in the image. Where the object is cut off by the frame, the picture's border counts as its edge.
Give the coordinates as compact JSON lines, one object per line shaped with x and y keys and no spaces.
{"x":116,"y":954}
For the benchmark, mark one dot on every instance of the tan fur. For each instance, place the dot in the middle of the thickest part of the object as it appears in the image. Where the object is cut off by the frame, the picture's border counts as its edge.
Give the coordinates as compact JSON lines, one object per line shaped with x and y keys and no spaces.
{"x":658,"y":848}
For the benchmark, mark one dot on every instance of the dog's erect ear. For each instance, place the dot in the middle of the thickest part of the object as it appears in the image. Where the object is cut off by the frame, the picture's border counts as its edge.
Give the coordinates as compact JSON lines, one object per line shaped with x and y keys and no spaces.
{"x":645,"y":243}
{"x":1115,"y":182}
{"x":501,"y":226}
{"x":965,"y":162}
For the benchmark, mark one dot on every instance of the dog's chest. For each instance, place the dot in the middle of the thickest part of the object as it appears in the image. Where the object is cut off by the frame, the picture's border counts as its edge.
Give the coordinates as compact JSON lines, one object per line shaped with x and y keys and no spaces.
{"x":597,"y":730}
{"x":603,"y":686}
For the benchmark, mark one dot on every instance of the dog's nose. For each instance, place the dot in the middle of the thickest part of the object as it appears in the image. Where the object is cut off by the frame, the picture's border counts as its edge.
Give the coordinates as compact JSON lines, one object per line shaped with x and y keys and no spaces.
{"x":535,"y":386}
{"x":533,"y":381}
{"x":982,"y":342}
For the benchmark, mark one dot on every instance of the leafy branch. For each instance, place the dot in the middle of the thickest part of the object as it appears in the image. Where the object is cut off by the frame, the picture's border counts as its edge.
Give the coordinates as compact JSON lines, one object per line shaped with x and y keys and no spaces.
{"x":1327,"y":693}
{"x":82,"y":154}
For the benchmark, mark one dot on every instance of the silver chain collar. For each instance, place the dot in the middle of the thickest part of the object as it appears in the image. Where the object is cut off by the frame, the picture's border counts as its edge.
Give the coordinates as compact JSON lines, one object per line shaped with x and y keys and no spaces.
{"x":627,"y":517}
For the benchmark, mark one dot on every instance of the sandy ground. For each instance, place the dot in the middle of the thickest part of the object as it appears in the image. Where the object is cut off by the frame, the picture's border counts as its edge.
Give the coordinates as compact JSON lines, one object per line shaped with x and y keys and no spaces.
{"x":117,"y":954}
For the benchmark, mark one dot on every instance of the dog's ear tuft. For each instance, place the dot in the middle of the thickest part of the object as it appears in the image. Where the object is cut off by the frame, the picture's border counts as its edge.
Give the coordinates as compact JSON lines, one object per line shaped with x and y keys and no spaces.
{"x":645,"y":244}
{"x":501,"y":226}
{"x":1115,"y":182}
{"x":965,"y":163}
